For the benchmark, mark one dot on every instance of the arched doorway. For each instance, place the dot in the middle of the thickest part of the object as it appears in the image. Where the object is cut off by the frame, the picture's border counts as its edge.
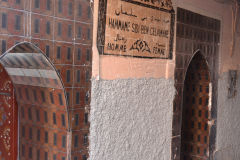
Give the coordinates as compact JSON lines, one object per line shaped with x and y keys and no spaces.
{"x":34,"y":120}
{"x":195,"y":113}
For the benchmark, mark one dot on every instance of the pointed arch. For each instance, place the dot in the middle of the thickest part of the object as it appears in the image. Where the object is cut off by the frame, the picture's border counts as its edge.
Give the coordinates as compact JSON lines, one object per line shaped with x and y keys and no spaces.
{"x":196,"y":113}
{"x":197,"y":53}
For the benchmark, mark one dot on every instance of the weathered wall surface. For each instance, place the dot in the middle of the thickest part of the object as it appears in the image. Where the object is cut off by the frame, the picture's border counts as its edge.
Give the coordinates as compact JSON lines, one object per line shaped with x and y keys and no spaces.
{"x":228,"y":123}
{"x":131,"y":119}
{"x":131,"y":104}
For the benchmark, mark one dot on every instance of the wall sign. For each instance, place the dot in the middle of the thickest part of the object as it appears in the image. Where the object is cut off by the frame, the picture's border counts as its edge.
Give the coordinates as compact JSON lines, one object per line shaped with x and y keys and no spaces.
{"x":136,"y":28}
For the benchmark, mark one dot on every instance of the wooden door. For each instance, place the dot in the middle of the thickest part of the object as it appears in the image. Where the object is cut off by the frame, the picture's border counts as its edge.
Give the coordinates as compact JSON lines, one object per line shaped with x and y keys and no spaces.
{"x":8,"y":119}
{"x":195,"y":129}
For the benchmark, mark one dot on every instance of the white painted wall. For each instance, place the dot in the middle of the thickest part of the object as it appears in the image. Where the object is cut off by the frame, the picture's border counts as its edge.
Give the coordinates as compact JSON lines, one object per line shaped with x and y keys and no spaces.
{"x":228,"y":122}
{"x":131,"y":119}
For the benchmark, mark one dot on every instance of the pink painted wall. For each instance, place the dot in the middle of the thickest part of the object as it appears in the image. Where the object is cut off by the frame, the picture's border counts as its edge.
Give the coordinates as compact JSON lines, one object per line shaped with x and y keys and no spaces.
{"x":115,"y":67}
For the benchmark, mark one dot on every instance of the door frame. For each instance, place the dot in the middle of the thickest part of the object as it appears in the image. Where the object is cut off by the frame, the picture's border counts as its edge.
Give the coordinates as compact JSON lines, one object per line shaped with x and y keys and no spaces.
{"x":191,"y":37}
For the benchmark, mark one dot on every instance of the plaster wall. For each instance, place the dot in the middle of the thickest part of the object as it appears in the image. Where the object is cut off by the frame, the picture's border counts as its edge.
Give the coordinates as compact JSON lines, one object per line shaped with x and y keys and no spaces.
{"x":131,"y":104}
{"x":131,"y":119}
{"x":228,"y":123}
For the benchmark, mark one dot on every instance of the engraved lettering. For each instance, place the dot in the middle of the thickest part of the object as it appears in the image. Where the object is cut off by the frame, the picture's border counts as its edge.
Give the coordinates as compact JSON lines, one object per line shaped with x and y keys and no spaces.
{"x":159,"y":49}
{"x":117,"y":47}
{"x":167,"y":4}
{"x":118,"y":13}
{"x":120,"y":38}
{"x":118,"y":24}
{"x":141,"y":28}
{"x":135,"y":28}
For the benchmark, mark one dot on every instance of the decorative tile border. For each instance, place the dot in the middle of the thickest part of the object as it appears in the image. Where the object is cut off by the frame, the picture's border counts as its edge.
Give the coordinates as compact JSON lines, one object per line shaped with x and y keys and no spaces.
{"x":194,"y":33}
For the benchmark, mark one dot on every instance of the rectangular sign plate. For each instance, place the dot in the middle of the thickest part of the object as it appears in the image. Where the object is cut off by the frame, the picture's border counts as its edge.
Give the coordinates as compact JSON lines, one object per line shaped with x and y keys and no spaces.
{"x":136,"y":28}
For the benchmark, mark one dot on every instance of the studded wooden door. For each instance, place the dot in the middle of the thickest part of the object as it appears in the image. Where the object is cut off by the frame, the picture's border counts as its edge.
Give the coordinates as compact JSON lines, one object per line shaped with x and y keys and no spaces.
{"x":8,"y":118}
{"x":195,"y":129}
